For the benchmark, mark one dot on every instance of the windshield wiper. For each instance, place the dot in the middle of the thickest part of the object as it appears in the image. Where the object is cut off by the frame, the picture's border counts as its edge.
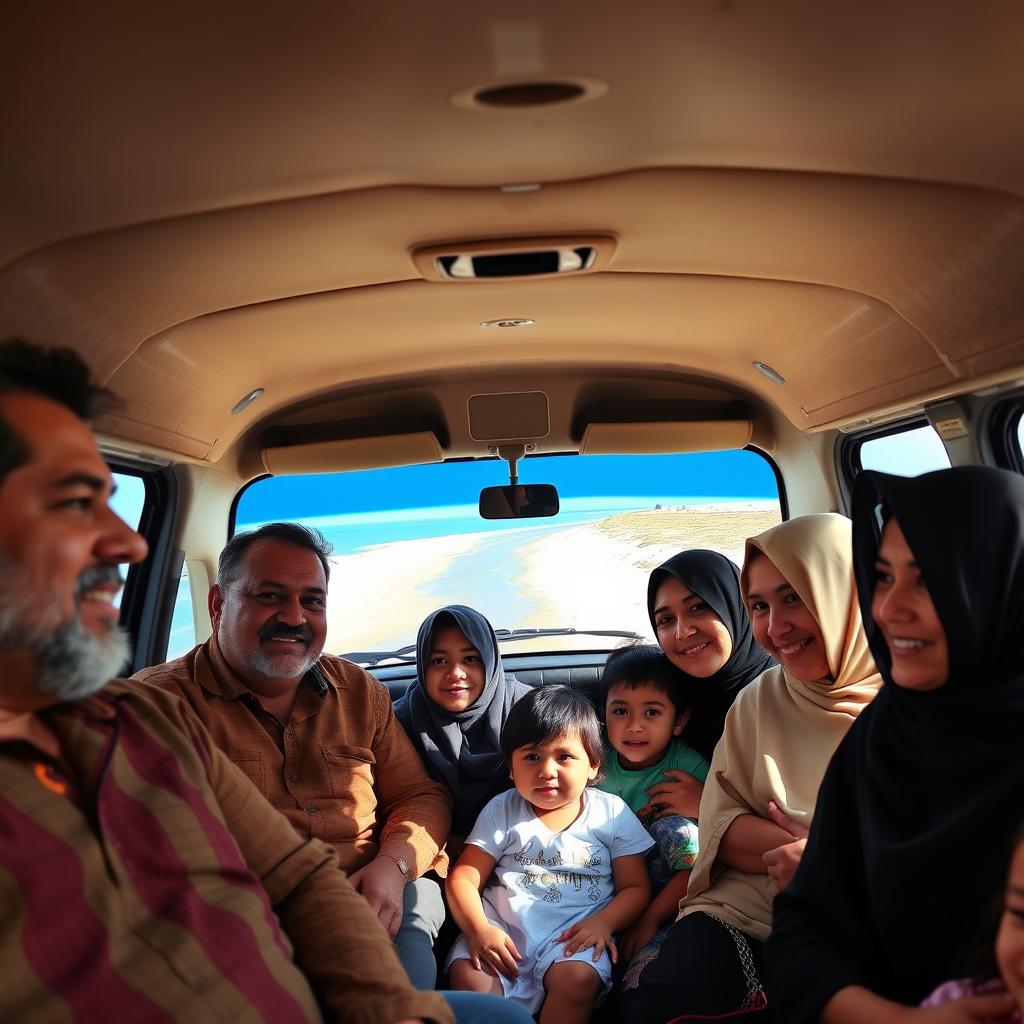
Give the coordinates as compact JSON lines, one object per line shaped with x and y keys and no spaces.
{"x":525,"y":634}
{"x":407,"y":655}
{"x":404,"y":656}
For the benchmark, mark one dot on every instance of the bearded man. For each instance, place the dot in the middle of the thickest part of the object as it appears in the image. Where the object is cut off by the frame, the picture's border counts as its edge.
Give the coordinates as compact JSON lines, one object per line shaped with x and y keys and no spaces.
{"x":142,"y":875}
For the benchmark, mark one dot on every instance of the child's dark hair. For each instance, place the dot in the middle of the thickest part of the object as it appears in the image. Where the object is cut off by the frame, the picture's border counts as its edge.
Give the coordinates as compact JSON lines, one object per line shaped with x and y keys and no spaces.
{"x":548,"y":712}
{"x":646,"y":665}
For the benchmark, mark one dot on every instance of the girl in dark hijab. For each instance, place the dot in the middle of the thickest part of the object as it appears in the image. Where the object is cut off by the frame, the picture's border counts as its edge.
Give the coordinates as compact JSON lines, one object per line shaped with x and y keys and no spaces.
{"x":917,"y":808}
{"x":454,"y":711}
{"x":701,"y":624}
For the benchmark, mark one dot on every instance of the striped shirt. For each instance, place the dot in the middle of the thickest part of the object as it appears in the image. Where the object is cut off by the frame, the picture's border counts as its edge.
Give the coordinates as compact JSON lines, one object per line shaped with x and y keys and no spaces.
{"x":144,"y":879}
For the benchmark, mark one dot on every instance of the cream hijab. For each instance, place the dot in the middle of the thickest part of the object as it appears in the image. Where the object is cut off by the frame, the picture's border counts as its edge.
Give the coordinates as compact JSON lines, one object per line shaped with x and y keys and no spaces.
{"x":781,"y":733}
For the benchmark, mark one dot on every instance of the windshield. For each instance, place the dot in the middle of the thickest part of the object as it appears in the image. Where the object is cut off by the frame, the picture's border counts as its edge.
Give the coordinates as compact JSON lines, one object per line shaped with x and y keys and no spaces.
{"x":409,"y":540}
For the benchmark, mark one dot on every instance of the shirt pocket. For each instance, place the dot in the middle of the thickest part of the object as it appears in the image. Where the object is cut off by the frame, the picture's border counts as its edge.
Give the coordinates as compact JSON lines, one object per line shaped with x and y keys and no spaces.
{"x":351,"y":773}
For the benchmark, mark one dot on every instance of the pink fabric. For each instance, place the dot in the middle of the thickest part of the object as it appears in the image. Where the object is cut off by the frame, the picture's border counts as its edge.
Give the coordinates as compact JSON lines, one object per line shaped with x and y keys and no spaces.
{"x":963,"y":987}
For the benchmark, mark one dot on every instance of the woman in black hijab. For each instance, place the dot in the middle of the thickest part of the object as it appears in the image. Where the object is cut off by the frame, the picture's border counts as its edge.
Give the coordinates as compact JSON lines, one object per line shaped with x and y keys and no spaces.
{"x":916,"y":812}
{"x":456,"y":730}
{"x":701,"y":624}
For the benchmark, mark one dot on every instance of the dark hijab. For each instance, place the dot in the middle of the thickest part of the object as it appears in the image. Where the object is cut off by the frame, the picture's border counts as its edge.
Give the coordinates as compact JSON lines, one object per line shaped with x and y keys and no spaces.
{"x":915,"y":816}
{"x":716,"y":581}
{"x":461,"y":748}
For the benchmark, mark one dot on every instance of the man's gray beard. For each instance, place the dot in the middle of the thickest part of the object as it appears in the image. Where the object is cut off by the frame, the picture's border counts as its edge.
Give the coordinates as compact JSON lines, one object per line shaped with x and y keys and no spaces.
{"x":263,"y":663}
{"x":72,"y":661}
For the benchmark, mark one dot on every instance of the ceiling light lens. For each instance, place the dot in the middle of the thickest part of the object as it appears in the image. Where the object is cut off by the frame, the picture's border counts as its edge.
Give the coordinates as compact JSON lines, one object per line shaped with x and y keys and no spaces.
{"x":246,"y":401}
{"x":772,"y":375}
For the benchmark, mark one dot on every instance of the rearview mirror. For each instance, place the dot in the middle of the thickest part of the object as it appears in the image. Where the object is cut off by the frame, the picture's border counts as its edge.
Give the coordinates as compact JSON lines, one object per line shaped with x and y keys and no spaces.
{"x":521,"y":501}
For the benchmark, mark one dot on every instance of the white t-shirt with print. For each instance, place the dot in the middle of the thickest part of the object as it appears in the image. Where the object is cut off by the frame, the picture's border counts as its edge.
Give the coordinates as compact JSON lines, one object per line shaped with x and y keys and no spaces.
{"x":545,"y":882}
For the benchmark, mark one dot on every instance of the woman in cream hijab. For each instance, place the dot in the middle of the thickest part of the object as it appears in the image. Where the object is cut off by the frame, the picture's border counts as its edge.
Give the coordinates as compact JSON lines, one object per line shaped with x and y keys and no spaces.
{"x":799,"y":589}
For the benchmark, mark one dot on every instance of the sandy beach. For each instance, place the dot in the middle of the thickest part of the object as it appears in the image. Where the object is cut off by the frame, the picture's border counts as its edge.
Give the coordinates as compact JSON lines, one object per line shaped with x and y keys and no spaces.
{"x":595,"y":576}
{"x":592,"y":576}
{"x":373,"y":595}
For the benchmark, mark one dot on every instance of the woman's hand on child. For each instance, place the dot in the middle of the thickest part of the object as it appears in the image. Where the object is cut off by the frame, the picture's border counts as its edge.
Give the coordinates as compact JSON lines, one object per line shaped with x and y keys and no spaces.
{"x":680,"y":793}
{"x":493,"y":952}
{"x":636,"y":937}
{"x":591,"y":931}
{"x":782,"y":862}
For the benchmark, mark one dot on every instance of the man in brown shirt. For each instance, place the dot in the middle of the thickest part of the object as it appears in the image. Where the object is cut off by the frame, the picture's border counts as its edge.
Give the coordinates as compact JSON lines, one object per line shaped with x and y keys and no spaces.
{"x":316,"y":733}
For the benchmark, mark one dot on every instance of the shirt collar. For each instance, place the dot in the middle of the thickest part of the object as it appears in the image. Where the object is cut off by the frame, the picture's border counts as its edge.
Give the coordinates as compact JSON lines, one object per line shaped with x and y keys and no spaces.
{"x":216,"y":676}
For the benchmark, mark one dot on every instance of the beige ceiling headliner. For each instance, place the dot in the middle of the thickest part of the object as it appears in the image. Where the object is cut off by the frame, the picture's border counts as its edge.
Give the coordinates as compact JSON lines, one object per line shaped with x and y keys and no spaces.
{"x":159,"y":112}
{"x":174,"y":182}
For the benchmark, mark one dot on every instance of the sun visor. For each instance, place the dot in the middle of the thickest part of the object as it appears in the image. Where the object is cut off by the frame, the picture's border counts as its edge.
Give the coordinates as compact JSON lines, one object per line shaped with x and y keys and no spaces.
{"x":664,"y":437}
{"x":354,"y":453}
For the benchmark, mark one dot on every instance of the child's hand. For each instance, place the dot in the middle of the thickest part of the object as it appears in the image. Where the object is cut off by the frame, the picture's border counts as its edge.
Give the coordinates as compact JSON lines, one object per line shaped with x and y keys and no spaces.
{"x":491,"y":950}
{"x":635,"y":938}
{"x":592,"y":931}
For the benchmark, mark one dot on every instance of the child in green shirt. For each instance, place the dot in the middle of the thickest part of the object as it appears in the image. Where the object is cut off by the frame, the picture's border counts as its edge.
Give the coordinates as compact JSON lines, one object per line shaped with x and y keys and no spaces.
{"x":646,"y":707}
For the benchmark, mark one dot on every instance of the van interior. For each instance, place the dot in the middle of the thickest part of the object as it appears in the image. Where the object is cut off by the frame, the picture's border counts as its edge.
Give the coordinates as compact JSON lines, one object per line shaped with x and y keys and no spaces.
{"x":403,"y":252}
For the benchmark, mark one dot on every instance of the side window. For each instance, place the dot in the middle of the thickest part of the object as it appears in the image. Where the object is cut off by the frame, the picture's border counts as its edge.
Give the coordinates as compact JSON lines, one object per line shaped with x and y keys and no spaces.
{"x":145,"y":498}
{"x":129,"y":498}
{"x":1020,"y":438}
{"x":182,"y":637}
{"x":905,"y":452}
{"x":128,"y":502}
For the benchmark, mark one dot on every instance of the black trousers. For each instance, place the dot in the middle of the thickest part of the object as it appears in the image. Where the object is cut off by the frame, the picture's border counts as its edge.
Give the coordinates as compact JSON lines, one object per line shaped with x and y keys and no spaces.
{"x":707,"y":970}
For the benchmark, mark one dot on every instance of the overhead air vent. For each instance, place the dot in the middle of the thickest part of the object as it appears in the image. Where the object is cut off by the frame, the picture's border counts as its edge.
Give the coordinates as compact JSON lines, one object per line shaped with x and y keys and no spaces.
{"x":514,"y":259}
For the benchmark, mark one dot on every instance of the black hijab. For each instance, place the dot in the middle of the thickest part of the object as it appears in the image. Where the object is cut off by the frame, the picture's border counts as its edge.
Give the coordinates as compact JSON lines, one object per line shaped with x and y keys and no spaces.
{"x":461,"y":748}
{"x":716,"y":581}
{"x":914,"y":820}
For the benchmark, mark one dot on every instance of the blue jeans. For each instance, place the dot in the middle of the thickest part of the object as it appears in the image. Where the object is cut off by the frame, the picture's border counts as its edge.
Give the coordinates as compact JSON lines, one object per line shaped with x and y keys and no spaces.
{"x":422,"y":917}
{"x":478,"y":1008}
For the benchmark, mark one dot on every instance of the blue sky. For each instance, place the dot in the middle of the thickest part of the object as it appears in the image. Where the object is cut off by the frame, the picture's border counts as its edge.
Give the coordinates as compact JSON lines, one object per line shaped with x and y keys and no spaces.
{"x":651,"y":478}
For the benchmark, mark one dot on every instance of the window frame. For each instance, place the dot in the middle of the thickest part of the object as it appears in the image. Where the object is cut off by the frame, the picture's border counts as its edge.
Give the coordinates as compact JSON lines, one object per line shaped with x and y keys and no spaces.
{"x":1001,"y":431}
{"x":147,"y":602}
{"x":848,"y":463}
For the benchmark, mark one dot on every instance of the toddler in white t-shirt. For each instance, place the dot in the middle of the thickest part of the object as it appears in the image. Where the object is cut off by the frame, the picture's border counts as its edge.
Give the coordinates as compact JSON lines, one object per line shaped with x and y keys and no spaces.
{"x":551,"y":869}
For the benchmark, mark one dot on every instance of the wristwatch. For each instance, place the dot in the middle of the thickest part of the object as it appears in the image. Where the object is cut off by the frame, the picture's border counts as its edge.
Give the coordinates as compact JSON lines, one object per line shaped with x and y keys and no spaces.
{"x":403,"y":865}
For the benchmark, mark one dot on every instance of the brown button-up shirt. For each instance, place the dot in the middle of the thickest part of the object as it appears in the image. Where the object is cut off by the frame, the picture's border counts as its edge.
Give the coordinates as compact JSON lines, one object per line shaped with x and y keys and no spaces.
{"x":340,"y":769}
{"x":143,"y":878}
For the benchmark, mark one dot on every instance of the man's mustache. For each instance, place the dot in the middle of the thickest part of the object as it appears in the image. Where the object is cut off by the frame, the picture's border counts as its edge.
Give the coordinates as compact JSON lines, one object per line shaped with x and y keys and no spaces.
{"x":97,"y":575}
{"x":278,"y":630}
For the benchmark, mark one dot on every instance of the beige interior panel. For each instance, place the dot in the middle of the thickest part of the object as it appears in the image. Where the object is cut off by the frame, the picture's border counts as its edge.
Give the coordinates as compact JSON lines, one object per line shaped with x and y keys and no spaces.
{"x":354,"y":453}
{"x":714,"y":326}
{"x":946,"y":257}
{"x":949,"y":261}
{"x":228,"y":197}
{"x":653,"y":438}
{"x":153,"y":109}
